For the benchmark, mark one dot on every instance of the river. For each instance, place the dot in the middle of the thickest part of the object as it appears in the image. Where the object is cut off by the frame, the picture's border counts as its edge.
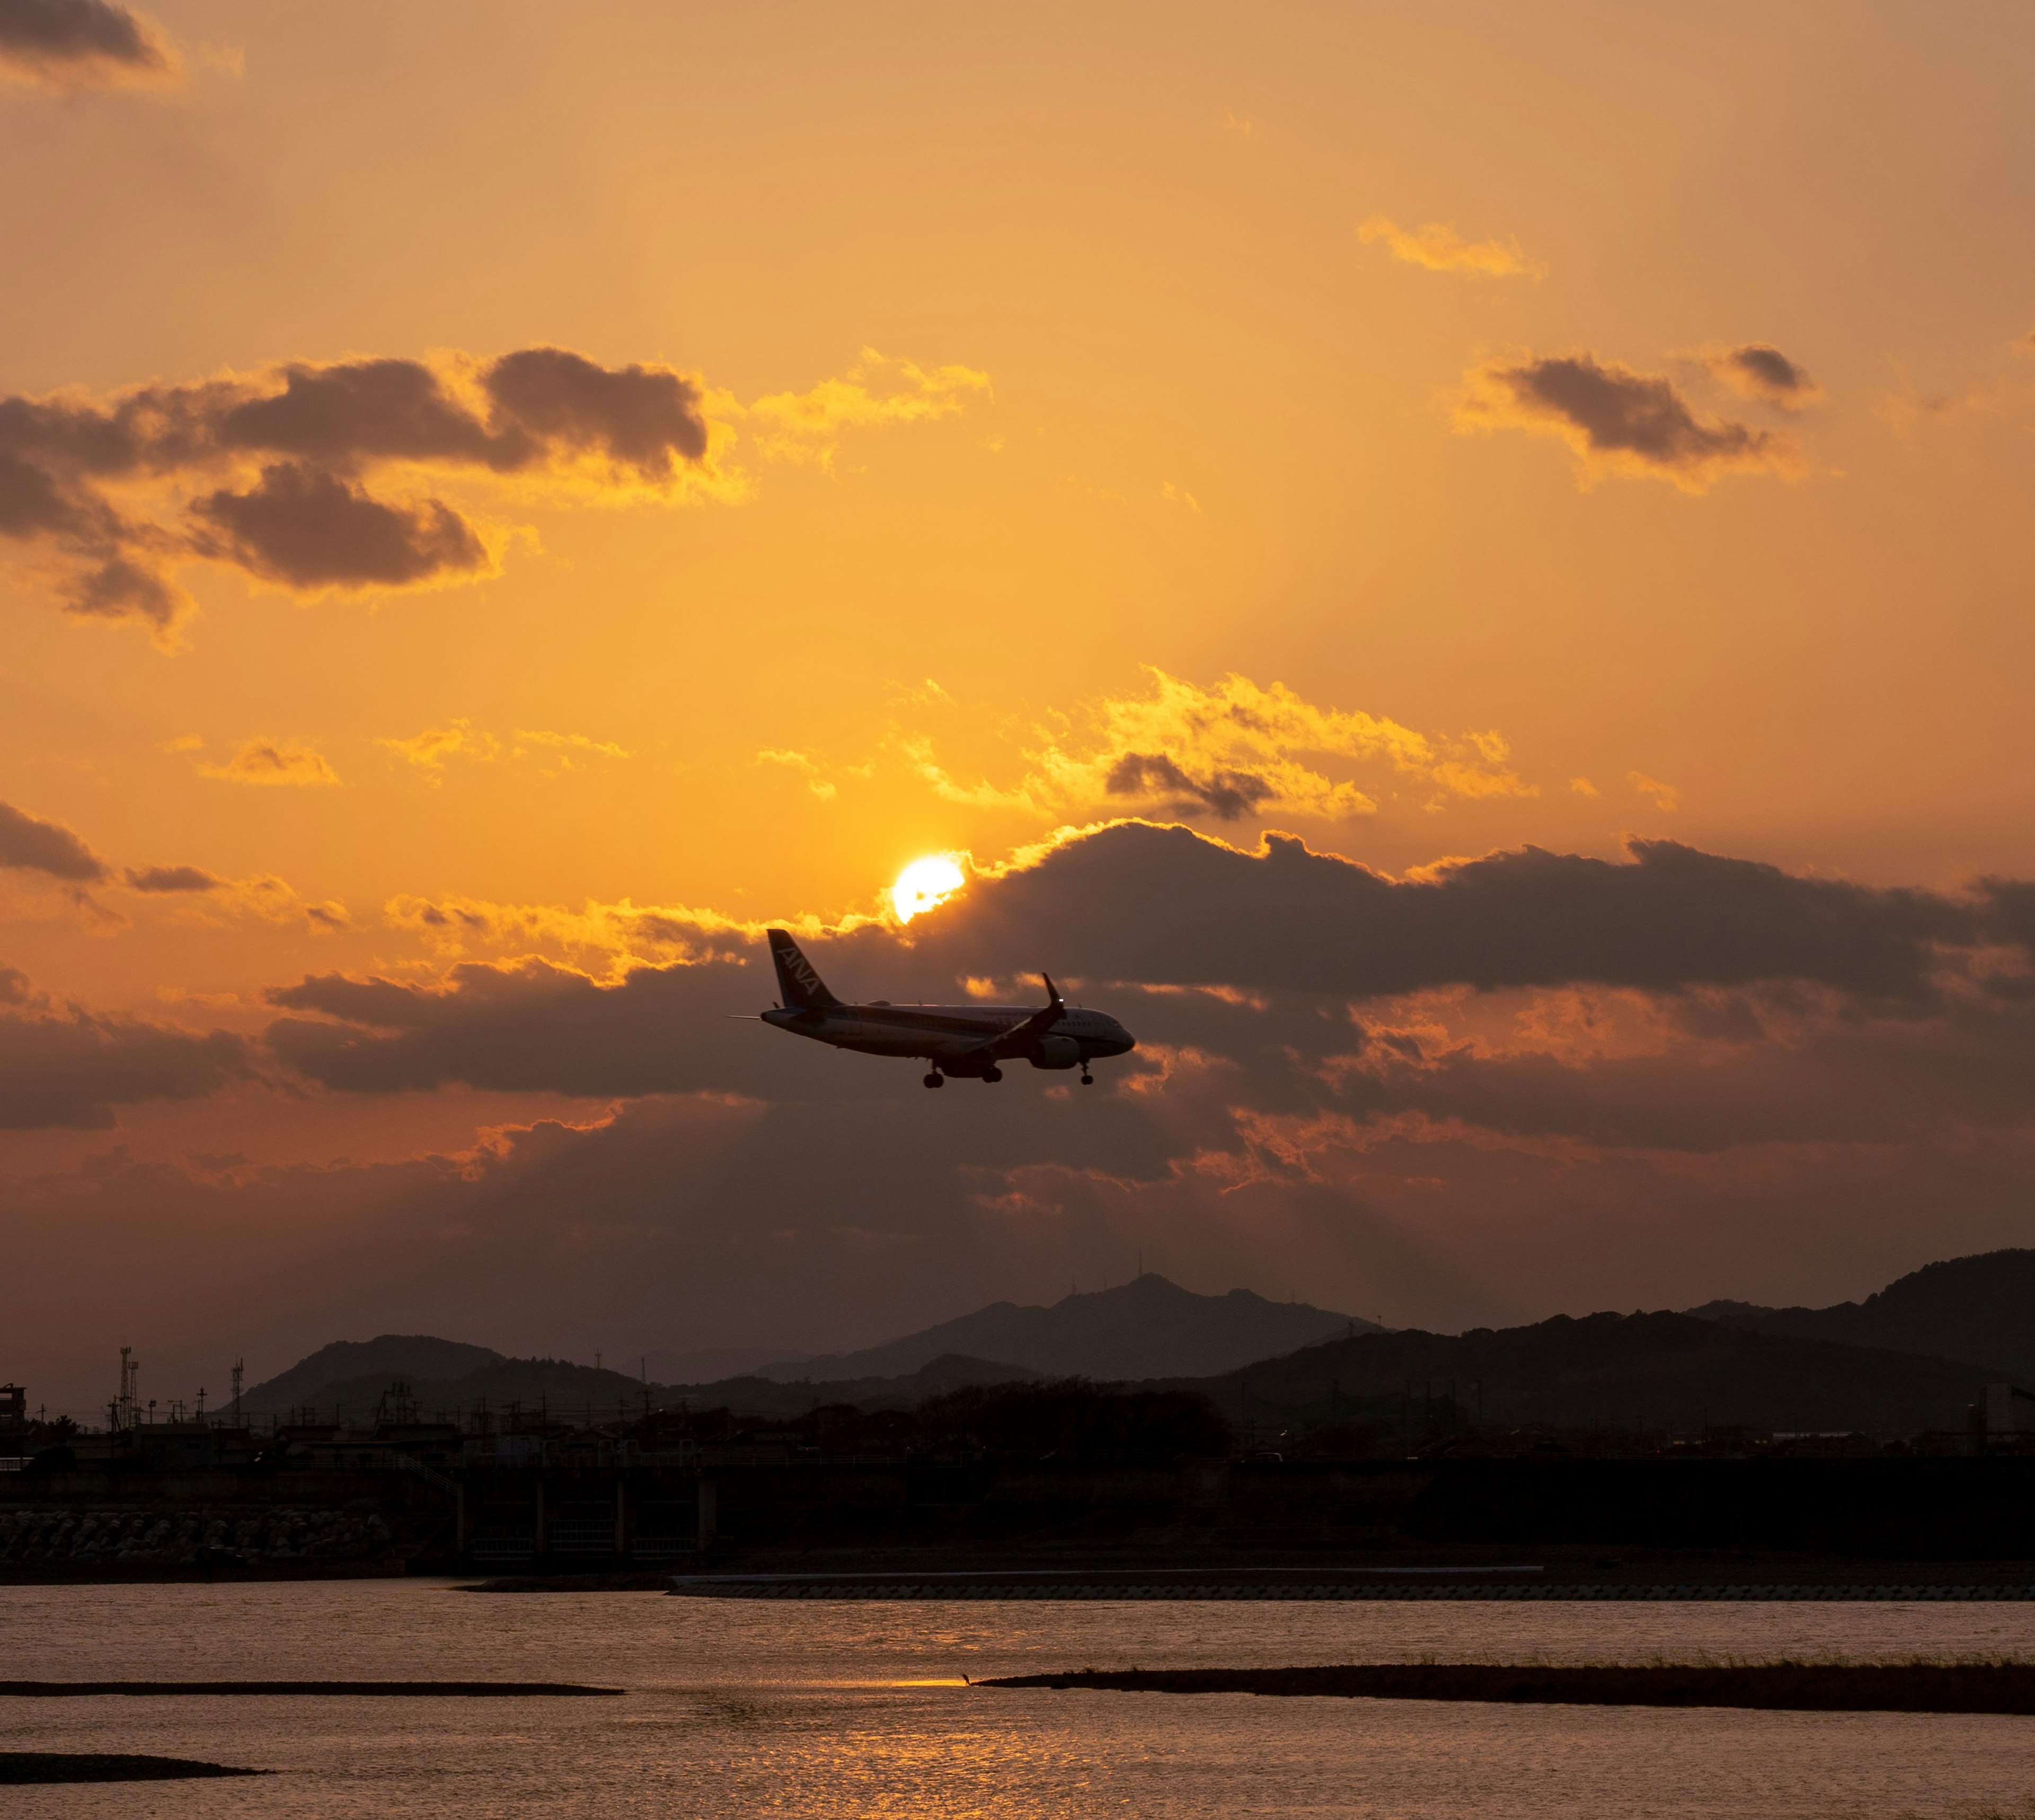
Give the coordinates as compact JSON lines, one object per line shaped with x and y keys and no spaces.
{"x":819,"y":1710}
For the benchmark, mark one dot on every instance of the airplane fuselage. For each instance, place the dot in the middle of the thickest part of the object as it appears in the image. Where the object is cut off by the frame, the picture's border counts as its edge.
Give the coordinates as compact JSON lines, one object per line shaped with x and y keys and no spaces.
{"x":946,"y":1035}
{"x":965,"y":1041}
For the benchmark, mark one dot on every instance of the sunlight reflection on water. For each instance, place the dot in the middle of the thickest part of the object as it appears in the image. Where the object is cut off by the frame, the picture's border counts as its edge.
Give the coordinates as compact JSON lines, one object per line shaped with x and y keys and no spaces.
{"x":736,"y":1707}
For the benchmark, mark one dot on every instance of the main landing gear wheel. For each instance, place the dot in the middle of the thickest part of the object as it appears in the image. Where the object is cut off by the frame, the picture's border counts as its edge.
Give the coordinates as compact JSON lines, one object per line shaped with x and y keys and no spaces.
{"x":1088,"y":1079}
{"x":935,"y":1078}
{"x":992,"y":1073}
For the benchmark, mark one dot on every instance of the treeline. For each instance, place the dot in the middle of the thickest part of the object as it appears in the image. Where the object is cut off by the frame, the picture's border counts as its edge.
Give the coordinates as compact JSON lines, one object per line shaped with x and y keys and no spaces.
{"x":1068,"y":1419}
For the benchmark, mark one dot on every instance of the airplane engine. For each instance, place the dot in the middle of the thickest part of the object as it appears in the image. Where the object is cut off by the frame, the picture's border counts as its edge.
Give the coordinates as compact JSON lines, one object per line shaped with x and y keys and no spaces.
{"x":1056,"y":1052}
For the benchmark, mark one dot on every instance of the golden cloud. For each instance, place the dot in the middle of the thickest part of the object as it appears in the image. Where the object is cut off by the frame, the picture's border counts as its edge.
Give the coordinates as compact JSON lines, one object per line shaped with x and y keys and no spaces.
{"x":427,"y":752}
{"x":874,"y":393}
{"x":625,"y":932}
{"x":1237,"y":749}
{"x":1439,"y":248}
{"x":1665,"y":795}
{"x":820,"y":786}
{"x":283,"y":762}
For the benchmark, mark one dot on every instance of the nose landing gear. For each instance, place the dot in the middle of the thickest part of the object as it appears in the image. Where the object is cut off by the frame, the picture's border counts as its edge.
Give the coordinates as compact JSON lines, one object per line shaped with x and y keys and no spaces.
{"x":935,"y":1078}
{"x":1088,"y":1079}
{"x":992,"y":1073}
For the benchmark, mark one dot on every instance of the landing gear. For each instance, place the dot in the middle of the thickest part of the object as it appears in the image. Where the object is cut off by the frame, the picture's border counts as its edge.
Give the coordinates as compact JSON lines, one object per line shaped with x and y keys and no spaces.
{"x":992,"y":1073}
{"x":935,"y":1078}
{"x":1088,"y":1079}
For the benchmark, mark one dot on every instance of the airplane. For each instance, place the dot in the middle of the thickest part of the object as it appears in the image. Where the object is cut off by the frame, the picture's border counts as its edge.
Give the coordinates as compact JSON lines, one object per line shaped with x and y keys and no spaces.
{"x":957,"y":1041}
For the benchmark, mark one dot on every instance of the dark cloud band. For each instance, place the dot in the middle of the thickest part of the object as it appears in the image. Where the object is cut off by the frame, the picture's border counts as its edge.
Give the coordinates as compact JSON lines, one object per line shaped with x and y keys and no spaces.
{"x":1163,"y":907}
{"x":70,"y":1069}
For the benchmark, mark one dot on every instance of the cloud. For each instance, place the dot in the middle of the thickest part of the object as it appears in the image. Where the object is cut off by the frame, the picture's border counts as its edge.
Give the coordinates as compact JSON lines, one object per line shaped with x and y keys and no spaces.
{"x":621,"y":932}
{"x":1618,"y":421}
{"x":273,"y":900}
{"x":1226,"y":795}
{"x":308,"y":529}
{"x":1137,"y":901}
{"x":68,"y":1067}
{"x":67,"y":45}
{"x":311,"y":475}
{"x":273,"y":761}
{"x":568,"y":752}
{"x":876,"y":392}
{"x":1235,"y":749}
{"x":170,"y":879}
{"x":30,"y":844}
{"x":648,"y":419}
{"x":428,"y":751}
{"x":820,"y":786}
{"x":119,"y":494}
{"x":1757,"y":371}
{"x":511,"y":1027}
{"x":1665,"y":795}
{"x":1148,"y":907}
{"x":1437,"y":248}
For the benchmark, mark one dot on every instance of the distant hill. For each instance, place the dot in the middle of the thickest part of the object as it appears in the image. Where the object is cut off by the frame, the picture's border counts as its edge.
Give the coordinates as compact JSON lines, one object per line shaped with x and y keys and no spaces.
{"x":755,"y":1396}
{"x":565,"y":1389}
{"x":1151,"y":1328}
{"x":416,"y":1356}
{"x":1979,"y":1310}
{"x":1668,"y":1370}
{"x":707,"y":1363}
{"x":477,"y":1377}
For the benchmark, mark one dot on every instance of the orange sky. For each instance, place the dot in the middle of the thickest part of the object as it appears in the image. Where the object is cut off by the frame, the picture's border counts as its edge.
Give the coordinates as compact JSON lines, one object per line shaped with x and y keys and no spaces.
{"x":1474,"y":428}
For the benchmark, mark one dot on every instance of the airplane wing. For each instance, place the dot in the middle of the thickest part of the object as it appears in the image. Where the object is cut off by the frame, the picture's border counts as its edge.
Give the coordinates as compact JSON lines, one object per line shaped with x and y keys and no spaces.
{"x":1019,"y":1037}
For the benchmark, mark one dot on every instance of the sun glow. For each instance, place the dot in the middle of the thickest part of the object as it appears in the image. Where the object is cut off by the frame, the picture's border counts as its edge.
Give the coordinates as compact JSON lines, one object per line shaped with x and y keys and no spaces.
{"x":924,"y":883}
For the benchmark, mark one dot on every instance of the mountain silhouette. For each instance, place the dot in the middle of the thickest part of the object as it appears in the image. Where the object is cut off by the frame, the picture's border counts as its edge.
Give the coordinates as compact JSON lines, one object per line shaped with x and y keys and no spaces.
{"x":1150,"y":1328}
{"x":1979,"y":1310}
{"x":1662,"y":1371}
{"x":415,"y":1356}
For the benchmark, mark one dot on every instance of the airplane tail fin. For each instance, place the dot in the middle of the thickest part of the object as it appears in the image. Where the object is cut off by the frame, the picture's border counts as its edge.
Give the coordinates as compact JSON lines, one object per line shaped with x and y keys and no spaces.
{"x":803,"y":988}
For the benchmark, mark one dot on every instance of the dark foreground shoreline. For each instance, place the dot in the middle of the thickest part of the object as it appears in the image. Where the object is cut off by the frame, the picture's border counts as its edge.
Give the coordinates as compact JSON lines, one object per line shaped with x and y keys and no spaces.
{"x":339,"y":1690}
{"x":19,"y":1768}
{"x":2006,"y":1687}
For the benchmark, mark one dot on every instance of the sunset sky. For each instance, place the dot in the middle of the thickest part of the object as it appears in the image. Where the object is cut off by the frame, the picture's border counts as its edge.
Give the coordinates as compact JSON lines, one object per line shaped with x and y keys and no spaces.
{"x":1464,"y":570}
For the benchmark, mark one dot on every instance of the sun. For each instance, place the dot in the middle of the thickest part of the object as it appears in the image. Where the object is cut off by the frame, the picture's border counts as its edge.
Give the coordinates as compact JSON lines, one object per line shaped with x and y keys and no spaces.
{"x":924,"y":883}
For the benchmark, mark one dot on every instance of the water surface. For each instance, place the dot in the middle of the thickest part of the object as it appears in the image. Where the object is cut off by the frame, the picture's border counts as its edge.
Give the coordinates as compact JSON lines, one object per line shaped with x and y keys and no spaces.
{"x":816,"y":1710}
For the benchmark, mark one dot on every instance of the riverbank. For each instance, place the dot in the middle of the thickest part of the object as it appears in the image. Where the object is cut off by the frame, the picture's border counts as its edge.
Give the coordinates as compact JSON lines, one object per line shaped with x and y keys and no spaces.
{"x":1996,"y":1687}
{"x":25,"y":1769}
